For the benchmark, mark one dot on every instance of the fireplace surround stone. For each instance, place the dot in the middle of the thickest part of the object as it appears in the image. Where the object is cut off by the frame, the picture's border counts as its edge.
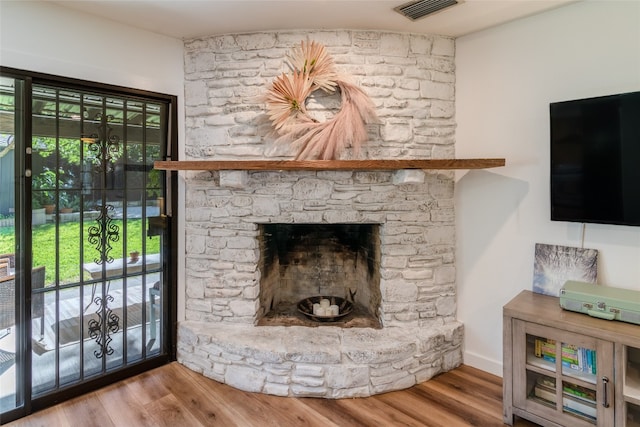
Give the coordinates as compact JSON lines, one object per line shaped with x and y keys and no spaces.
{"x":420,"y":336}
{"x":410,"y":79}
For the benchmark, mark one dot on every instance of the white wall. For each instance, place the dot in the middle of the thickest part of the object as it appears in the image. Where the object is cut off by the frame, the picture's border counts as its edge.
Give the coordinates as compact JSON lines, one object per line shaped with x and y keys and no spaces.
{"x":506,"y":78}
{"x":47,"y":38}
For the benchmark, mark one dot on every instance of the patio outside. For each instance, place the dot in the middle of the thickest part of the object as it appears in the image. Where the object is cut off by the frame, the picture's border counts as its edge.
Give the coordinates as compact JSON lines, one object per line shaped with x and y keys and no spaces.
{"x":62,"y":331}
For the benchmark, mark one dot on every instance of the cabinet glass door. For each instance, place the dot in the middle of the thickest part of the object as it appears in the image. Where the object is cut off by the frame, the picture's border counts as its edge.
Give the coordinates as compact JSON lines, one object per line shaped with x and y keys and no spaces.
{"x":631,"y":389}
{"x":563,"y":376}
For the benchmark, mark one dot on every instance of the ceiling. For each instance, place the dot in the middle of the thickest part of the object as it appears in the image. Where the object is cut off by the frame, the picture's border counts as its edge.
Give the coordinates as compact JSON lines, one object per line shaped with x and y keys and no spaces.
{"x":186,"y":19}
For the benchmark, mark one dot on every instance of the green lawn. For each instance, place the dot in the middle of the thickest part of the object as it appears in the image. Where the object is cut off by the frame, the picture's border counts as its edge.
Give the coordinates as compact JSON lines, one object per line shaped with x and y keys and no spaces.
{"x":68,"y":252}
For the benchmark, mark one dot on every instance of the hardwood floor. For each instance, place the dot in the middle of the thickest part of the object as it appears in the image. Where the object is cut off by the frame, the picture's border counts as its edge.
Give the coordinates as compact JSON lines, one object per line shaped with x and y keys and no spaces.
{"x":172,"y":395}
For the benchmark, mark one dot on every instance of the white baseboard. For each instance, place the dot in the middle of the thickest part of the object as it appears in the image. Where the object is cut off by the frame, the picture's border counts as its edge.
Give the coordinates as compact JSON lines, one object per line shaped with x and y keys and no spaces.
{"x":480,"y":362}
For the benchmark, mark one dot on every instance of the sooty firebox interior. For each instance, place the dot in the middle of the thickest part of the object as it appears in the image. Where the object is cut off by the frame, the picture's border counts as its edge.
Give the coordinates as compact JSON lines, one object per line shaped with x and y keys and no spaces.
{"x":299,"y":261}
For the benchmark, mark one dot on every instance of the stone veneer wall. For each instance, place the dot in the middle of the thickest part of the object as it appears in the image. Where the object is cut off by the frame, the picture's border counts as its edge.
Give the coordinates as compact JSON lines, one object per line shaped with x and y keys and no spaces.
{"x":417,"y":277}
{"x":410,"y":79}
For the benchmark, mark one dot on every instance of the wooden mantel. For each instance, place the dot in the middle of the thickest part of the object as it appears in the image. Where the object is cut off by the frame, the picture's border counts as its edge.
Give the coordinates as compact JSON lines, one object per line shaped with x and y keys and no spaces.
{"x":277,"y":165}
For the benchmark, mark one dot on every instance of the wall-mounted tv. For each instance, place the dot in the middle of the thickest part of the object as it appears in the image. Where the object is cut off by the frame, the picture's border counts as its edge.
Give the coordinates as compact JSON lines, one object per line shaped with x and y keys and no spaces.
{"x":595,"y":160}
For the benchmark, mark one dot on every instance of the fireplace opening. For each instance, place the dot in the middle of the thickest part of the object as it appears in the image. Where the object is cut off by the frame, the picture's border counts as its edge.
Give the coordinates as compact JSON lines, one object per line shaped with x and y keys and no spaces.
{"x":303,"y":261}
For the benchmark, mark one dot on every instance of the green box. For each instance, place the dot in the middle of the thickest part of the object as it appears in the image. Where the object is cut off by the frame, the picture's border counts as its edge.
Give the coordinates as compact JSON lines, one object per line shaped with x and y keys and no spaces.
{"x":601,"y":301}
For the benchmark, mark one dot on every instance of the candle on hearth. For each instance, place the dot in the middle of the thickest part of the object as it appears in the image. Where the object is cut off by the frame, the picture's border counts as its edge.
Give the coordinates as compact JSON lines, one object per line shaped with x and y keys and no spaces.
{"x":324,"y":303}
{"x":334,"y":310}
{"x":316,"y":309}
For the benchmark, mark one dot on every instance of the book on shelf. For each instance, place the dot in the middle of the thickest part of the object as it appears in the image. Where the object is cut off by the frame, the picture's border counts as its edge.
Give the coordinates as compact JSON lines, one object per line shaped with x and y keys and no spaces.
{"x":579,"y":404}
{"x":580,"y":414}
{"x":570,"y":404}
{"x":545,"y":349}
{"x":572,"y":357}
{"x":579,"y":392}
{"x":545,"y":392}
{"x":569,"y":389}
{"x":578,"y":358}
{"x":575,"y":399}
{"x":546,"y":382}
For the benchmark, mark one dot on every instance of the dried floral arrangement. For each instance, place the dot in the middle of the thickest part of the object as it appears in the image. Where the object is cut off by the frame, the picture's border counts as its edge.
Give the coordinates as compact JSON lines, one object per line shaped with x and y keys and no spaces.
{"x":312,"y":68}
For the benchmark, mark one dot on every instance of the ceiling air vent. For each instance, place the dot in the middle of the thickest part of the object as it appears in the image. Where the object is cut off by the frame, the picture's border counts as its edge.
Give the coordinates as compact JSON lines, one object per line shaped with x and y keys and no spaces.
{"x":421,"y":8}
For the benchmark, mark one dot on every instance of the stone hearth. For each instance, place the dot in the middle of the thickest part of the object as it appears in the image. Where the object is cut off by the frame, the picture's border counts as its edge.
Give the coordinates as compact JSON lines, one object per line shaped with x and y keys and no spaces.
{"x":327,"y":362}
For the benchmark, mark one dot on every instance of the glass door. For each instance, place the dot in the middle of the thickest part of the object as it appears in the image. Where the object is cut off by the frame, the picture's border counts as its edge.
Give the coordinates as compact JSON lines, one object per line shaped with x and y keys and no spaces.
{"x":97,"y":293}
{"x":94,"y":303}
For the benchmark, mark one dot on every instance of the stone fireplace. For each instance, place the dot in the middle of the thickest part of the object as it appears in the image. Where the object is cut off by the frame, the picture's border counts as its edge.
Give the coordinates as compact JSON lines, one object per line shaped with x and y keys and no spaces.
{"x":410,"y":215}
{"x":259,"y":241}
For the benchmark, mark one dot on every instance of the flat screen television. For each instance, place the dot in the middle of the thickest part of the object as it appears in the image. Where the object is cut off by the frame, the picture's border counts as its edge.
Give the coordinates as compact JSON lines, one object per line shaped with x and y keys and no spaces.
{"x":595,"y":160}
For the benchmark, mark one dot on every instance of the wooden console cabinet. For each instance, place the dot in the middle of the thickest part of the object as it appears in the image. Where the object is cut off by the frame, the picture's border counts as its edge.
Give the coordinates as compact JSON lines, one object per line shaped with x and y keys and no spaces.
{"x":568,"y":369}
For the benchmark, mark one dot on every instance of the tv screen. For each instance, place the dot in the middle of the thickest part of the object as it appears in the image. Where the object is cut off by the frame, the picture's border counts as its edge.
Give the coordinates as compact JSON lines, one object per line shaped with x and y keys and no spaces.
{"x":595,"y":160}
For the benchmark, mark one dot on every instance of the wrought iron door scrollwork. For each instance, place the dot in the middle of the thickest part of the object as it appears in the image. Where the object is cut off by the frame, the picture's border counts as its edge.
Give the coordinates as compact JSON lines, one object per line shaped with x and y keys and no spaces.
{"x":108,"y":319}
{"x":102,"y":235}
{"x":104,"y":145}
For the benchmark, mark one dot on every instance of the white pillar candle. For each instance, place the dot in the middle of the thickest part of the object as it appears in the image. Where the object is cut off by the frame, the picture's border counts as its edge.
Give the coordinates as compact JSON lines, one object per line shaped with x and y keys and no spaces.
{"x":335,"y":310}
{"x":316,"y":309}
{"x":324,"y":303}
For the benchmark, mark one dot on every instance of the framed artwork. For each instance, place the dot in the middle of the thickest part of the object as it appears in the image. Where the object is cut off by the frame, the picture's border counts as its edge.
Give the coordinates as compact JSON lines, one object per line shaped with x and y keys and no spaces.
{"x":554,"y":265}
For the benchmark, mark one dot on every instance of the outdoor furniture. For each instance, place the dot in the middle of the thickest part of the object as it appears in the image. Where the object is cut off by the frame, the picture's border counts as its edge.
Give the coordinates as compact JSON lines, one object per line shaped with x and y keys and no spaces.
{"x":7,"y":294}
{"x":7,"y":302}
{"x":11,"y":258}
{"x":37,"y":300}
{"x":8,"y":298}
{"x":116,"y":268}
{"x":7,"y":265}
{"x":154,"y":292}
{"x":8,"y":309}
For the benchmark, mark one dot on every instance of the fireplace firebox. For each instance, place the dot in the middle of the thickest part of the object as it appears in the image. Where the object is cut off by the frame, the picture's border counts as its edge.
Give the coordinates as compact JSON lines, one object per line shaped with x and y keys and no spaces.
{"x":299,"y":261}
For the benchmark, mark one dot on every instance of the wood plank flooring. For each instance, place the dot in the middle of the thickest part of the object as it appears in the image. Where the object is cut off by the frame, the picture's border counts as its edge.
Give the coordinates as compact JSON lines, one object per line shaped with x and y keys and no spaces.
{"x":172,"y":396}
